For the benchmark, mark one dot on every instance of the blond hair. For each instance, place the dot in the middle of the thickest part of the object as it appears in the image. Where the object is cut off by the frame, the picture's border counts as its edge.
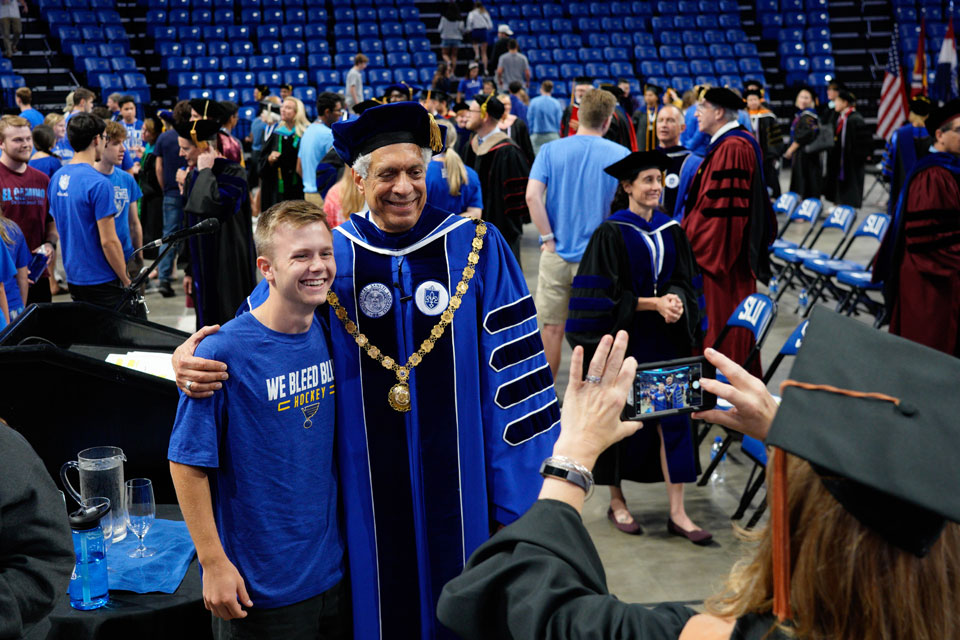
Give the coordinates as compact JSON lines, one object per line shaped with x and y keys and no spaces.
{"x":351,"y":200}
{"x":296,"y":213}
{"x":114,"y":132}
{"x":847,"y":582}
{"x":300,"y":121}
{"x":453,"y":165}
{"x":596,"y":106}
{"x":53,"y":119}
{"x":11,"y":121}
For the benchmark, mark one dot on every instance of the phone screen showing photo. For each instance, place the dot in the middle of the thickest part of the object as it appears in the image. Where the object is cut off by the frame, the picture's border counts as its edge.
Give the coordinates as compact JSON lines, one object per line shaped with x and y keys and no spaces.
{"x":668,"y":389}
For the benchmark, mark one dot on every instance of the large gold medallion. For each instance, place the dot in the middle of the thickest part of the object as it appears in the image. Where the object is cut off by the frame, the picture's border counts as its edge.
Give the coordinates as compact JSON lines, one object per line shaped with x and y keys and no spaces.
{"x":399,"y":397}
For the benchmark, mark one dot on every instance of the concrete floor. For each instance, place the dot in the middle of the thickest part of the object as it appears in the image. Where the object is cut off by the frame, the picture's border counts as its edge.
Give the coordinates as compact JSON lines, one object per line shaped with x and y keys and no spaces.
{"x":653,"y":567}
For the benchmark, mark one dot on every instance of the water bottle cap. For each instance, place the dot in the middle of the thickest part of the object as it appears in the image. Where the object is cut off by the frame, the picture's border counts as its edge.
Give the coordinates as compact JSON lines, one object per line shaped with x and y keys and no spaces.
{"x":718,"y":439}
{"x":88,"y":517}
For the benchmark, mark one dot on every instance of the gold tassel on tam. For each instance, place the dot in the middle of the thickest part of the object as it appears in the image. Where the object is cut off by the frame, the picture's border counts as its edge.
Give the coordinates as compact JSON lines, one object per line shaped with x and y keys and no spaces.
{"x":436,"y":140}
{"x":780,"y":533}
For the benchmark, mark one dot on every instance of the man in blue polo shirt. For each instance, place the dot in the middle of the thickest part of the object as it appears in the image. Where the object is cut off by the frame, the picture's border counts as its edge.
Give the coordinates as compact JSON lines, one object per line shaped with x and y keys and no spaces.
{"x":126,"y":192}
{"x":316,"y":141}
{"x":81,"y":203}
{"x":543,"y":117}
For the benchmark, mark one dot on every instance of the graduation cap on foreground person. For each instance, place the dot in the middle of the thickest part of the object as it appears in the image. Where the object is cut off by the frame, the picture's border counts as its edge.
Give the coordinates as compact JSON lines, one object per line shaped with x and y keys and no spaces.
{"x":209,"y":109}
{"x":490,"y":106}
{"x":401,"y":122}
{"x":876,"y":417}
{"x":630,"y":166}
{"x":198,"y":131}
{"x":941,"y":115}
{"x":723,"y":97}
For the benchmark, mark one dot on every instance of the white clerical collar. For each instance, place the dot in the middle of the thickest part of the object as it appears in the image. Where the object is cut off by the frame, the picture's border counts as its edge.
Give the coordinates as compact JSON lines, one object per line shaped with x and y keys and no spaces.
{"x":722,"y":130}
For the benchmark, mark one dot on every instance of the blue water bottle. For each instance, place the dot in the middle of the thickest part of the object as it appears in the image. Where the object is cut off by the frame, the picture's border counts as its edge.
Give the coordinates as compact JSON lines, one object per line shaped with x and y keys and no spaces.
{"x":88,"y":584}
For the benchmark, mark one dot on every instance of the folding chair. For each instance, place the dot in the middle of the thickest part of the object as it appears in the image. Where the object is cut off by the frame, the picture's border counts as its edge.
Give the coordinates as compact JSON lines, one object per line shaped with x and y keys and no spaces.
{"x":824,"y":269}
{"x":841,"y":219}
{"x":755,"y":313}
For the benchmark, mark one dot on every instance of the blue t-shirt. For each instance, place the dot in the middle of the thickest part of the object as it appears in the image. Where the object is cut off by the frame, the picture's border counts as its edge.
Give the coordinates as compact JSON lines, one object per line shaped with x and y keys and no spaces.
{"x":266,"y":441}
{"x":579,"y":193}
{"x":470,"y":88}
{"x":134,"y":134}
{"x":20,"y":254}
{"x":660,"y":401}
{"x":63,"y":149}
{"x":315,"y":143}
{"x":438,"y":191}
{"x":33,"y":116}
{"x":168,"y":150}
{"x":48,"y":165}
{"x":125,"y":191}
{"x":517,"y":108}
{"x":544,"y":115}
{"x":257,"y":128}
{"x":79,"y":195}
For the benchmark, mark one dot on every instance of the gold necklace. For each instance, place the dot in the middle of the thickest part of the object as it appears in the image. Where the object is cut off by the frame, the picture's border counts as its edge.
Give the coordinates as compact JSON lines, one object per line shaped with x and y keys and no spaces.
{"x":399,"y":394}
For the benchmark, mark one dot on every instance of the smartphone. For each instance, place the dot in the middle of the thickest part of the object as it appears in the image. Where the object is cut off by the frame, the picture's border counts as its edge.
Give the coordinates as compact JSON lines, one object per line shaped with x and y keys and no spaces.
{"x":38,"y":264}
{"x":669,"y":388}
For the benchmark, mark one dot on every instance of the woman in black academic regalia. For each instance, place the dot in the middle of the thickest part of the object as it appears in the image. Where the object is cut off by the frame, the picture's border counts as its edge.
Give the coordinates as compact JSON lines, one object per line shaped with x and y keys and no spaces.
{"x":806,"y":173}
{"x":279,"y":179}
{"x":638,"y":274}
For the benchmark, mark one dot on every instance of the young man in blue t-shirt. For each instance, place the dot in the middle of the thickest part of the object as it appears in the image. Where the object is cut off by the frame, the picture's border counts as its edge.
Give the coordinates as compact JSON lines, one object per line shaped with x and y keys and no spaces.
{"x":134,"y":126}
{"x":253,"y":464}
{"x":81,"y":203}
{"x":126,"y":193}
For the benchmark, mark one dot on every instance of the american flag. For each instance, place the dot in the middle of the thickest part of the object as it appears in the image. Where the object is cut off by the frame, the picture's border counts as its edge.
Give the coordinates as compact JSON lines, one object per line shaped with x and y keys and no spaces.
{"x":893,"y":98}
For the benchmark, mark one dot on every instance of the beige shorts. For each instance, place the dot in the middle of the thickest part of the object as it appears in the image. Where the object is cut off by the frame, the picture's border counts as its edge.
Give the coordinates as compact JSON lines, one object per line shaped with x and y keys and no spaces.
{"x":554,"y":281}
{"x":314,"y":198}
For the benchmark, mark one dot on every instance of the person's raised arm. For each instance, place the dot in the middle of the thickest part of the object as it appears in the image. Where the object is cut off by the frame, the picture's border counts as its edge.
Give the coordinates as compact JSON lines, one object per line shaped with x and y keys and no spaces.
{"x":204,"y":375}
{"x":590,"y":420}
{"x":223,"y":587}
{"x":753,"y":407}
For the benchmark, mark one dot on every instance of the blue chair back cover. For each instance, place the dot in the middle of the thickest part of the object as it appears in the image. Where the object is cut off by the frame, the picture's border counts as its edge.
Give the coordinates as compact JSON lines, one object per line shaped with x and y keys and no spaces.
{"x":808,"y":211}
{"x":754,"y":313}
{"x":787,"y":203}
{"x":873,"y":226}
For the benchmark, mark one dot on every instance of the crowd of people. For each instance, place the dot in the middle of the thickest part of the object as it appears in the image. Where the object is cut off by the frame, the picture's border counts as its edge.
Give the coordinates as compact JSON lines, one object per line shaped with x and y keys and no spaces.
{"x":347,"y":247}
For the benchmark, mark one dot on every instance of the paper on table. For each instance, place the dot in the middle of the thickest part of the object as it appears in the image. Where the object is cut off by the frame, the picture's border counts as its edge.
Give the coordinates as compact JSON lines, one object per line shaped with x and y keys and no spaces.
{"x":150,"y":362}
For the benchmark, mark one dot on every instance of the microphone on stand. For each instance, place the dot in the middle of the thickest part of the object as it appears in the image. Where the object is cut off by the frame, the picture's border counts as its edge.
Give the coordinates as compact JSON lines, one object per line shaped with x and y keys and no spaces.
{"x":210,"y":225}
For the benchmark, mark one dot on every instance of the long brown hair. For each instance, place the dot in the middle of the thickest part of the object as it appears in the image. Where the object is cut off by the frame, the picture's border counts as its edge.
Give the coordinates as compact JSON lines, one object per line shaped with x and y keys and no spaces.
{"x":847,"y":582}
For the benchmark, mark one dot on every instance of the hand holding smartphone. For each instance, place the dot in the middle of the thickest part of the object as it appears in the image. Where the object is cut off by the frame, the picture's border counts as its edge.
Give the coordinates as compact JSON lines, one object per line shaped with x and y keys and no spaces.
{"x":670,"y":388}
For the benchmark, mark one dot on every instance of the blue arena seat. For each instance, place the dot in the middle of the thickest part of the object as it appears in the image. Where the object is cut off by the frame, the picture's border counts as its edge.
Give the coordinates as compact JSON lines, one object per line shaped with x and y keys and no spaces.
{"x":819,"y":47}
{"x":270,"y":78}
{"x":377,"y":60}
{"x":621,"y":40}
{"x":621,"y":69}
{"x":238,"y":32}
{"x":134,"y":80}
{"x":790,"y":48}
{"x":295,"y":77}
{"x":565,"y":55}
{"x":548,"y":41}
{"x":96,"y":65}
{"x":561,"y":25}
{"x":644,"y":39}
{"x":735,"y":35}
{"x":270,"y":47}
{"x":395,"y":44}
{"x":316,"y":42}
{"x":588,"y":54}
{"x":213,"y":32}
{"x":538,"y":56}
{"x":224,"y":16}
{"x":349,"y":46}
{"x":570,"y":41}
{"x":682,"y":23}
{"x":206,"y":63}
{"x":260,"y":63}
{"x":652,"y":68}
{"x":745,"y":49}
{"x":315,"y":30}
{"x":587,"y":25}
{"x":707,"y":21}
{"x":668,"y":52}
{"x":823,"y":63}
{"x":790,"y":33}
{"x":701,"y":67}
{"x":399,"y":59}
{"x":291,"y":31}
{"x":641,"y":52}
{"x":288,"y":62}
{"x":294,"y":47}
{"x":552,"y":11}
{"x":725,"y":66}
{"x":425,"y":59}
{"x":677,"y":68}
{"x":387,"y":14}
{"x":368,"y":30}
{"x":87,"y":49}
{"x":234,"y":63}
{"x":597,"y":70}
{"x":714,"y":36}
{"x":215,"y":79}
{"x":567,"y":70}
{"x":692,"y":51}
{"x":414,"y":29}
{"x":539,"y":25}
{"x":598,"y":40}
{"x":343,"y":60}
{"x":615,"y":54}
{"x":547,"y":71}
{"x":319,"y":61}
{"x":344,"y":30}
{"x":239,"y":48}
{"x":224,"y":93}
{"x":671,"y":37}
{"x":405,"y":74}
{"x":379,"y":76}
{"x":750,"y":65}
{"x":409,"y":13}
{"x":167,"y":48}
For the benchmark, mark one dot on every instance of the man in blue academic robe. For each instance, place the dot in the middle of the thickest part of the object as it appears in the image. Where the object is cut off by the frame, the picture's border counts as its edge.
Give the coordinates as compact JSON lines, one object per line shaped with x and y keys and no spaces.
{"x":445,"y":402}
{"x":907,"y":145}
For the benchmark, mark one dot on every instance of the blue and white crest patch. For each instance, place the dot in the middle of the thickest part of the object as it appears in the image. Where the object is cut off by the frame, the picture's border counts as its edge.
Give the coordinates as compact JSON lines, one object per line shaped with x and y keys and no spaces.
{"x":432,"y":298}
{"x":375,"y":300}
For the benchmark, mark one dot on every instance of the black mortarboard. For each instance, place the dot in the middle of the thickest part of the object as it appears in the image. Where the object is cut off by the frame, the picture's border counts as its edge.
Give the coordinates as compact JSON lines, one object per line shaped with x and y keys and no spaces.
{"x":288,"y":87}
{"x":360,"y":107}
{"x":583,"y":80}
{"x":753,"y":92}
{"x":263,"y":89}
{"x":460,"y":106}
{"x":653,"y":87}
{"x":630,"y":166}
{"x":402,"y":87}
{"x":379,"y":126}
{"x":845,"y":94}
{"x":920,"y":105}
{"x":723,"y":97}
{"x":270,"y":106}
{"x":490,"y":105}
{"x":198,"y":131}
{"x":883,"y":434}
{"x":612,"y":88}
{"x":166,"y":115}
{"x":209,"y":109}
{"x":942,"y":115}
{"x":753,"y":82}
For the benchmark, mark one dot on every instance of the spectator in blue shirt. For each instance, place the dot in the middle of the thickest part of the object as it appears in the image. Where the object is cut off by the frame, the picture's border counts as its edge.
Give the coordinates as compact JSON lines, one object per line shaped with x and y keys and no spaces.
{"x":471,"y":85}
{"x":81,"y":203}
{"x":133,"y":145}
{"x":45,"y":158}
{"x":15,"y":287}
{"x":24,"y":100}
{"x":543,"y":117}
{"x":316,"y":142}
{"x":451,"y":185}
{"x":126,"y":193}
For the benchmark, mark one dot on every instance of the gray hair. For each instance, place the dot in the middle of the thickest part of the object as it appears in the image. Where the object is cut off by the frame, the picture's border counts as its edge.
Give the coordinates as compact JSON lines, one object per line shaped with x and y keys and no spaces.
{"x":729,"y":115}
{"x":362,"y":164}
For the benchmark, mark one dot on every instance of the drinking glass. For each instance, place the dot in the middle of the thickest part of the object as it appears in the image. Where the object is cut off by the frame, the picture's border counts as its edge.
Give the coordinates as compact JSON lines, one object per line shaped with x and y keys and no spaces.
{"x":141,"y":510}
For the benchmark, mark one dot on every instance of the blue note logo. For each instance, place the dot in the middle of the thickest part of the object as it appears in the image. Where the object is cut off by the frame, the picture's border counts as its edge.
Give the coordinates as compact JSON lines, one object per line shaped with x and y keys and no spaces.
{"x":432,"y":298}
{"x":375,"y":300}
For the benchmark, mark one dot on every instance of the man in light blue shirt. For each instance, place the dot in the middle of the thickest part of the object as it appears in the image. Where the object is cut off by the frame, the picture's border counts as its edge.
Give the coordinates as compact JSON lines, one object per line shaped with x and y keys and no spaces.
{"x":578,"y":196}
{"x":543,"y":117}
{"x":316,"y":141}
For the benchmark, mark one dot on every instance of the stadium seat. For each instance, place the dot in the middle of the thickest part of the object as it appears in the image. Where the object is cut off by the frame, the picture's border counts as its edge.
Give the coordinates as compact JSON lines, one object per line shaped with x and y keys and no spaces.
{"x":701,"y":67}
{"x":366,"y":14}
{"x":735,"y":35}
{"x":668,"y":52}
{"x":587,"y":54}
{"x":379,"y":76}
{"x":692,"y":51}
{"x":734,"y":82}
{"x":587,"y":25}
{"x":621,"y":40}
{"x":215,"y":79}
{"x":198,"y":16}
{"x":561,"y":25}
{"x":609,"y":25}
{"x":671,"y":37}
{"x":539,"y":25}
{"x":548,"y":41}
{"x":750,"y":65}
{"x":599,"y":9}
{"x":409,"y":13}
{"x":169,"y":48}
{"x":652,"y":68}
{"x":348,"y":46}
{"x":706,"y":79}
{"x":414,"y":29}
{"x":677,"y":68}
{"x":344,"y":14}
{"x":206,"y":63}
{"x":234,"y":63}
{"x":294,"y":47}
{"x":819,"y":47}
{"x":317,"y":46}
{"x":344,"y":30}
{"x":387,"y":14}
{"x":570,"y":41}
{"x":745,"y":49}
{"x":644,"y":39}
{"x":86,"y":49}
{"x":291,"y":31}
{"x":269,"y":78}
{"x":428,"y":59}
{"x":134,"y":80}
{"x":797,"y":69}
{"x":552,"y":11}
{"x":399,"y":59}
{"x":598,"y":40}
{"x":343,"y":60}
{"x":407,"y":75}
{"x":714,"y":36}
{"x":109,"y":50}
{"x":288,"y":62}
{"x":295,"y":77}
{"x":597,"y":70}
{"x":224,"y":16}
{"x":393,"y":45}
{"x":547,"y":71}
{"x":564,"y":55}
{"x":791,"y":33}
{"x":823,"y":63}
{"x":770,"y":25}
{"x":790,"y":48}
{"x":238,"y":32}
{"x":377,"y":60}
{"x":260,"y":63}
{"x":96,"y":65}
{"x":536,"y":56}
{"x":224,"y":93}
{"x":645,"y":53}
{"x":241,"y":48}
{"x":270,"y":47}
{"x":319,"y":61}
{"x":312,"y":31}
{"x":615,"y":54}
{"x":567,"y":70}
{"x":683,"y":23}
{"x":720,"y":51}
{"x":242,"y":79}
{"x":368,"y":30}
{"x":707,"y":21}
{"x":213,"y":32}
{"x":621,"y":69}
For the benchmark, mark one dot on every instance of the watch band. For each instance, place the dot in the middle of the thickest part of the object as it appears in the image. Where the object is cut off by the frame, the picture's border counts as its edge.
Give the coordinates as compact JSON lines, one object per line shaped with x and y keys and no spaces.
{"x":546,"y":238}
{"x":569,"y":470}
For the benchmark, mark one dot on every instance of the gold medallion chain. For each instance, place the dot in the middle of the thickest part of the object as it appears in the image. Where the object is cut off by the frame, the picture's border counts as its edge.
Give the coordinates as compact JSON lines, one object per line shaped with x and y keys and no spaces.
{"x":399,"y":395}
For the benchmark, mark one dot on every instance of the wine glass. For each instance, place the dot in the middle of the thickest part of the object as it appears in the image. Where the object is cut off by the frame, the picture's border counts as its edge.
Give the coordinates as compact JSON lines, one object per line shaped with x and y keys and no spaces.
{"x":141,"y":510}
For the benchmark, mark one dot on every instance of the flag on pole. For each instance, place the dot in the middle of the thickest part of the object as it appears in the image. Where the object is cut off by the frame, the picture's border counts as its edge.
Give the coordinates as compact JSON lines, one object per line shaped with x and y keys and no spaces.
{"x":893,"y":98}
{"x":945,"y":81}
{"x":918,"y":84}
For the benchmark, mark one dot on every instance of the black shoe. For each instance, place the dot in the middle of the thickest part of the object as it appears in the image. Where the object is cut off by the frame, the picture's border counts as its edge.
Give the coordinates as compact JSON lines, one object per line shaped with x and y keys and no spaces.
{"x":166,"y":290}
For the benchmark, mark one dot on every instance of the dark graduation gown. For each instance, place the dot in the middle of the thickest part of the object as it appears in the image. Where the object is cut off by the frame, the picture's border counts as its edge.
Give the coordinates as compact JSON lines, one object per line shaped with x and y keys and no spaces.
{"x":730,"y":224}
{"x":504,"y":170}
{"x":907,"y":145}
{"x":846,"y":161}
{"x":279,"y":181}
{"x":919,"y":261}
{"x":646,"y":128}
{"x":770,"y":138}
{"x":806,"y":175}
{"x":626,"y":258}
{"x":223,"y":264}
{"x":542,"y":579}
{"x":671,"y":183}
{"x":520,"y":134}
